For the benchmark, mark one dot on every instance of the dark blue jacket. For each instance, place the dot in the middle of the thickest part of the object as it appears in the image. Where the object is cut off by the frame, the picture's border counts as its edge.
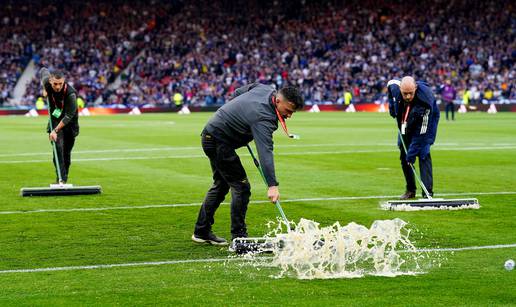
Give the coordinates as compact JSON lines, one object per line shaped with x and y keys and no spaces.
{"x":422,"y":120}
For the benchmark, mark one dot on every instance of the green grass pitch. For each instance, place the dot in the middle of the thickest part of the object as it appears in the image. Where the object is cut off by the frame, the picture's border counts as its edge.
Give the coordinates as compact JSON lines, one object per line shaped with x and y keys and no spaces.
{"x":153,"y":160}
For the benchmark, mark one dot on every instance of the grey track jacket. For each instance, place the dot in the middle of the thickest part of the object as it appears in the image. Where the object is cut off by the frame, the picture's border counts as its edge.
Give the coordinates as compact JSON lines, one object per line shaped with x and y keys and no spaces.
{"x":249,"y":115}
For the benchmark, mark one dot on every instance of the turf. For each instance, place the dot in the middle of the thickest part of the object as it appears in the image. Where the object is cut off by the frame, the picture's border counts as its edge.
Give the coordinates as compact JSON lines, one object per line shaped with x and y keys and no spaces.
{"x":156,"y":159}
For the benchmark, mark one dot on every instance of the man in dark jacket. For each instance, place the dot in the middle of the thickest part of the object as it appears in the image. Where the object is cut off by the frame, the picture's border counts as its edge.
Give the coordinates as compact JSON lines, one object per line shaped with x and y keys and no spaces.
{"x":62,"y":106}
{"x":415,"y":109}
{"x":252,"y":113}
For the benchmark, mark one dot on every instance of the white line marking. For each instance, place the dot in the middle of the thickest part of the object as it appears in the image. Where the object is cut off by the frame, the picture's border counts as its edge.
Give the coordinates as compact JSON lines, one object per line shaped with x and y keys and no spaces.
{"x":107,"y":151}
{"x":106,"y":159}
{"x":180,"y":148}
{"x":213,"y":260}
{"x":470,"y":248}
{"x":311,"y":153}
{"x":183,"y":148}
{"x":107,"y":266}
{"x":225,"y":203}
{"x":101,"y":208}
{"x":119,"y":150}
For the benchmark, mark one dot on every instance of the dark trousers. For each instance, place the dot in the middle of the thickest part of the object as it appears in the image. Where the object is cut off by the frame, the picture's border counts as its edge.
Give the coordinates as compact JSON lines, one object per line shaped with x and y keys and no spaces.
{"x":228,"y":172}
{"x":450,"y":107}
{"x":64,"y":145}
{"x":425,"y":170}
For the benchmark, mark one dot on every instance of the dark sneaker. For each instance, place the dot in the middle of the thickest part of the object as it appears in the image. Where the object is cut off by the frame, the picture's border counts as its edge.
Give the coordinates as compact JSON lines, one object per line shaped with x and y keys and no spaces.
{"x":408,"y":195}
{"x":431,"y":194}
{"x":210,"y":238}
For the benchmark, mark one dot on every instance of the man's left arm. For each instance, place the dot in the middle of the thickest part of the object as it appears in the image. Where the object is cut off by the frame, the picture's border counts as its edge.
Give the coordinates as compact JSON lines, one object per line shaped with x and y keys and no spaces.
{"x":418,"y":126}
{"x":44,"y":75}
{"x":262,"y":134}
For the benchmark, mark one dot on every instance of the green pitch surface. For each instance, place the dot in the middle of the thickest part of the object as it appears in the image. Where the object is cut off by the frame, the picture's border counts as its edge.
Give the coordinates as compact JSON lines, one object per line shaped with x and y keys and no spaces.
{"x":131,"y":245}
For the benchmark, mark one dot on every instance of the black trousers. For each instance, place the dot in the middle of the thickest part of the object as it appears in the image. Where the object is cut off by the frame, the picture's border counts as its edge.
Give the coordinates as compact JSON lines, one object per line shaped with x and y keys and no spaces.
{"x":425,"y":170}
{"x":64,"y":145}
{"x":228,"y":173}
{"x":450,"y":107}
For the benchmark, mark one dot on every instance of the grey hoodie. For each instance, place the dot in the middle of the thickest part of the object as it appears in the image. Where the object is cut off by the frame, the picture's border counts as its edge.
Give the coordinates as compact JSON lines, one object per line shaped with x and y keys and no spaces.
{"x":249,"y":115}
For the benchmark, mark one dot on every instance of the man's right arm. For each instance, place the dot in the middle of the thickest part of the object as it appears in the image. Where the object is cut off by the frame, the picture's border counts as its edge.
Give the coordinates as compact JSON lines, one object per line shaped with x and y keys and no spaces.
{"x":393,"y":88}
{"x":44,"y":75}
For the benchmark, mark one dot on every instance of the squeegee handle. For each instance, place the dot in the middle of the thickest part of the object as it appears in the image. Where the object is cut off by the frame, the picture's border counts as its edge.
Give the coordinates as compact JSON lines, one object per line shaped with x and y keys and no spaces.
{"x":54,"y":148}
{"x":278,"y":206}
{"x":257,"y":164}
{"x":277,"y":203}
{"x":412,"y":167}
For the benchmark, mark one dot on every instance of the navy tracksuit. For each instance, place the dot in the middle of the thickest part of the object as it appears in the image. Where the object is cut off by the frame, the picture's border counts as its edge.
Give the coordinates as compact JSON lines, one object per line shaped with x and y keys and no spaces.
{"x":419,"y":132}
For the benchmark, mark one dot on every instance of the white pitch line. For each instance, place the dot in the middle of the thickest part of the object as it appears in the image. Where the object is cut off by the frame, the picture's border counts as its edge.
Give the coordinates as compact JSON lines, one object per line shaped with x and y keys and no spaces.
{"x":310,"y":153}
{"x":118,"y":265}
{"x":470,"y":248}
{"x":180,"y":148}
{"x":153,"y":149}
{"x":225,"y":203}
{"x":214,"y":260}
{"x":100,"y":208}
{"x":106,"y":151}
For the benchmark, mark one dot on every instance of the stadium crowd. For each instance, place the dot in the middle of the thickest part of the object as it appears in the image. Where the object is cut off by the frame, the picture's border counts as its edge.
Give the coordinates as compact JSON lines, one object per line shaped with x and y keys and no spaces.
{"x":206,"y":49}
{"x":15,"y":47}
{"x":91,"y":42}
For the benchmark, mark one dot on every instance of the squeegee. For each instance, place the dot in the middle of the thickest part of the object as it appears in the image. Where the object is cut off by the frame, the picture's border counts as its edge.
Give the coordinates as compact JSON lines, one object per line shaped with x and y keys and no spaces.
{"x":59,"y":189}
{"x":428,"y":203}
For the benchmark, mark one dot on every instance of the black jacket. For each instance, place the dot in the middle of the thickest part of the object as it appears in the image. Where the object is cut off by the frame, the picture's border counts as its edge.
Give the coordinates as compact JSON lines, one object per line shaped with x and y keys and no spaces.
{"x":66,"y":100}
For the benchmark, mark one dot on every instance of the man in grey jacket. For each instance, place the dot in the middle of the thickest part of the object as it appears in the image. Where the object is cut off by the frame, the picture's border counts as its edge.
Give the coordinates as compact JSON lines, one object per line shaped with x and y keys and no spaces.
{"x":252,"y":113}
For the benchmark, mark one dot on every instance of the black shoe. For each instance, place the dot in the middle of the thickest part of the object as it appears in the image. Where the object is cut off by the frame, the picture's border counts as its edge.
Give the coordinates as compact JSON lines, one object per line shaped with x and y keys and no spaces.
{"x":431,"y":194}
{"x":210,"y":238}
{"x":408,"y":195}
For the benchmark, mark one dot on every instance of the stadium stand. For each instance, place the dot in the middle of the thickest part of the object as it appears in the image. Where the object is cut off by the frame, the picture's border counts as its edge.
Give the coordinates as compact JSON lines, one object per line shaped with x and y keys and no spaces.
{"x":206,"y":49}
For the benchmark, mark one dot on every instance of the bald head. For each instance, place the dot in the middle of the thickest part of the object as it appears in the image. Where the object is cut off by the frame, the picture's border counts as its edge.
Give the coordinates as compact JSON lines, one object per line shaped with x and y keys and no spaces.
{"x":408,"y":88}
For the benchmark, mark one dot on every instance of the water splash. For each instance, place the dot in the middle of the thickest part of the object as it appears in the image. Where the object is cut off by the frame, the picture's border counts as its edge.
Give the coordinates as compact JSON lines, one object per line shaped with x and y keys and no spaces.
{"x":310,"y":251}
